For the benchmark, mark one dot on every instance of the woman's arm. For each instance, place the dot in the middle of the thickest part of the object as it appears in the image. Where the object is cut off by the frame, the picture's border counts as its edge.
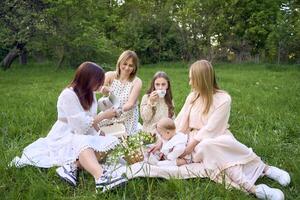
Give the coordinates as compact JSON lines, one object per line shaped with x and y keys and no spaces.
{"x":190,"y":147}
{"x":108,"y":114}
{"x":109,"y":77}
{"x":146,"y":109}
{"x":134,"y":94}
{"x":77,"y":118}
{"x":217,"y":122}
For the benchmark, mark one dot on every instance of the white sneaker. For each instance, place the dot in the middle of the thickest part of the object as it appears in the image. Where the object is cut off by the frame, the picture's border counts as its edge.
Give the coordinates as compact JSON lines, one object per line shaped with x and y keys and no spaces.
{"x":68,"y":173}
{"x":263,"y":191}
{"x":101,"y":182}
{"x":113,"y":176}
{"x":115,"y":182}
{"x":279,"y":175}
{"x":107,"y":182}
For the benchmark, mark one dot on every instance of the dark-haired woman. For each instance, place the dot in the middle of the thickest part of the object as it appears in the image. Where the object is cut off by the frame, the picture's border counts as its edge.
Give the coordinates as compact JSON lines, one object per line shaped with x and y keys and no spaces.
{"x":157,"y":102}
{"x":73,"y":140}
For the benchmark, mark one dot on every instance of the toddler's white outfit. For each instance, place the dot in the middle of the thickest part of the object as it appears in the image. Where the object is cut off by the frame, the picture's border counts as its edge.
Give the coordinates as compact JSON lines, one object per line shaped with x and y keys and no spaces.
{"x":171,"y":150}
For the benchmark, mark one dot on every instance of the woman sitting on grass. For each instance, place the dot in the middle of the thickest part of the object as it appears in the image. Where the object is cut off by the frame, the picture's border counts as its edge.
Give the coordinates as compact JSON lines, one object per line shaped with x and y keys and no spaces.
{"x":157,"y":102}
{"x":204,"y":117}
{"x":125,"y":85}
{"x":73,"y":140}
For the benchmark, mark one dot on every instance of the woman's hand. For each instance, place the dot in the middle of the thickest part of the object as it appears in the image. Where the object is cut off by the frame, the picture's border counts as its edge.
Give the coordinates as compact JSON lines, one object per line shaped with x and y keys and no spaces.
{"x":189,"y":148}
{"x":101,"y":133}
{"x":105,"y":90}
{"x":153,"y":97}
{"x":109,"y":114}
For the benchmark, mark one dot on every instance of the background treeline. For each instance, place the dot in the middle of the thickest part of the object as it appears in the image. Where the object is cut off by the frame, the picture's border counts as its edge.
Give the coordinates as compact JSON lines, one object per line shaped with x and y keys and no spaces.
{"x":71,"y":31}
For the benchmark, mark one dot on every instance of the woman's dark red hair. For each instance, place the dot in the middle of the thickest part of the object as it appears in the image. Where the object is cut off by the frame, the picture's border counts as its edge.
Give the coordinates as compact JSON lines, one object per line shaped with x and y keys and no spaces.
{"x":88,"y":78}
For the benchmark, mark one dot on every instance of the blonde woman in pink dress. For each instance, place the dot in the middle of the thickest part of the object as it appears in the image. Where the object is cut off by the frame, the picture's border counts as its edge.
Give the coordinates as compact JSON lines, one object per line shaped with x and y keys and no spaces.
{"x":204,"y":117}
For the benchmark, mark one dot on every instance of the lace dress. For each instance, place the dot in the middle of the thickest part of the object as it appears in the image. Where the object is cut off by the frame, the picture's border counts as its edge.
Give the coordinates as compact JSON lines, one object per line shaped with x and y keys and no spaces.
{"x":129,"y":118}
{"x":71,"y":134}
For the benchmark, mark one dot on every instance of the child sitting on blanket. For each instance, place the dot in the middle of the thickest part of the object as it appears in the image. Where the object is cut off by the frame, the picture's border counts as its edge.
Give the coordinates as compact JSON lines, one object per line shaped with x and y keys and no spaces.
{"x":170,"y":146}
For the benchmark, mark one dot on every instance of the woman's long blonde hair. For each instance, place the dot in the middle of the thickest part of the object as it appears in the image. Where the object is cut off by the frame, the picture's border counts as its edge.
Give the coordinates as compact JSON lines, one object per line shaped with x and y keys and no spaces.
{"x":203,"y":82}
{"x":125,"y":56}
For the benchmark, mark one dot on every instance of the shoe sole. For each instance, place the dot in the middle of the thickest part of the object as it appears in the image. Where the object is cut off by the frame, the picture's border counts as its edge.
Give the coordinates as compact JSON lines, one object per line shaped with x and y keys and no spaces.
{"x":64,"y":176}
{"x":115,"y":184}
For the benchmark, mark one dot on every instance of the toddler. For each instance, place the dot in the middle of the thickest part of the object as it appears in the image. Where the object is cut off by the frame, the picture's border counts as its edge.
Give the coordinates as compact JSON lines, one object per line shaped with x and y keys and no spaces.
{"x":170,"y":146}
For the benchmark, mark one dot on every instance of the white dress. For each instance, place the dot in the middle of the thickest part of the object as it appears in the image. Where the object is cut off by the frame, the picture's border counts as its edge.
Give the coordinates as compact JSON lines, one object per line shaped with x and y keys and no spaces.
{"x":71,"y":134}
{"x":129,"y":118}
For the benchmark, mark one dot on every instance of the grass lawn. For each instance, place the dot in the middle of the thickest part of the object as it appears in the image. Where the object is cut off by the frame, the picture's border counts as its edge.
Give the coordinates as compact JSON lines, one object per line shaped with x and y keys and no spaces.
{"x":265,"y":115}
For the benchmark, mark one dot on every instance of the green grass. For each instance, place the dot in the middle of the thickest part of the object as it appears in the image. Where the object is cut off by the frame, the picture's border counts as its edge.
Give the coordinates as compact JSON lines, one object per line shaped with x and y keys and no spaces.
{"x":265,"y":115}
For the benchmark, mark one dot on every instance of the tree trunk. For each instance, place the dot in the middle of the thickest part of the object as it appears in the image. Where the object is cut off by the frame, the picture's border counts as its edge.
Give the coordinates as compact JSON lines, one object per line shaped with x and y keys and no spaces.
{"x":9,"y":58}
{"x":12,"y":55}
{"x":62,"y":58}
{"x":278,"y":53}
{"x":23,"y":57}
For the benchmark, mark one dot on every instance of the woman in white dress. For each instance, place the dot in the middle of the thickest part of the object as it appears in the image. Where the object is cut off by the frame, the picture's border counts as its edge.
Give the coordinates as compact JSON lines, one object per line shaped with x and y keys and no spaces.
{"x":73,"y":140}
{"x":125,"y":85}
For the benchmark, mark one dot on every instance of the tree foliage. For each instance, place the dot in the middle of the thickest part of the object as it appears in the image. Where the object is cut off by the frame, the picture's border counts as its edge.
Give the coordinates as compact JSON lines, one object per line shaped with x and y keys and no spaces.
{"x":70,"y":32}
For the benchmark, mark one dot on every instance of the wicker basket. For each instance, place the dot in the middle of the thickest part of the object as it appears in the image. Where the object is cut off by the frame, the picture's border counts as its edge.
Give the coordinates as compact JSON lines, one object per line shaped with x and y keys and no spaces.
{"x":101,"y":156}
{"x":134,"y":156}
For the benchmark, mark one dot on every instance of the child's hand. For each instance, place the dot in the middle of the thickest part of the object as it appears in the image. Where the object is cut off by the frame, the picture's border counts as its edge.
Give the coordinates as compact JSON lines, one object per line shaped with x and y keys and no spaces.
{"x":152,"y":149}
{"x":156,"y":147}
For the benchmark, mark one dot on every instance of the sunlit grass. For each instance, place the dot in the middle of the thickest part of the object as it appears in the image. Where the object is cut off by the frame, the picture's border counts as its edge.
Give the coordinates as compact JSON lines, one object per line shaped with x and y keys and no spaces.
{"x":265,"y":115}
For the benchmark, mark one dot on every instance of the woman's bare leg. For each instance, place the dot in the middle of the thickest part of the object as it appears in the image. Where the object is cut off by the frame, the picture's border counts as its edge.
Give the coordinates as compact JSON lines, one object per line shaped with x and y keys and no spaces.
{"x":89,"y":162}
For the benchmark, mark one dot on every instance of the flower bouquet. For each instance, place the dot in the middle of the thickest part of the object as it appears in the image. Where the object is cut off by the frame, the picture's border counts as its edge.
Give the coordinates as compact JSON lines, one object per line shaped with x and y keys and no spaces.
{"x":131,"y":148}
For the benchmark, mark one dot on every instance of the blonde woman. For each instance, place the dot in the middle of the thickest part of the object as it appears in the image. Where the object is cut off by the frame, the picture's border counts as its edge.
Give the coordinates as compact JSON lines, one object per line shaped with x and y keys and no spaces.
{"x":124,"y":84}
{"x":157,"y":103}
{"x":204,"y":117}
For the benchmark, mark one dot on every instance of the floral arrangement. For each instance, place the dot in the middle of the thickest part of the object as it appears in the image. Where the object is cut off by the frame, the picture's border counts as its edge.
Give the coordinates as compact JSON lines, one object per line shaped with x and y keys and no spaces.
{"x":131,"y":148}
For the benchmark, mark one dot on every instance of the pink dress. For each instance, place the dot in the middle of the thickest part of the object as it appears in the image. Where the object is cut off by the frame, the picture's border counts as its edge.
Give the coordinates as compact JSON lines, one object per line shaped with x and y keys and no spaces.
{"x":222,"y":156}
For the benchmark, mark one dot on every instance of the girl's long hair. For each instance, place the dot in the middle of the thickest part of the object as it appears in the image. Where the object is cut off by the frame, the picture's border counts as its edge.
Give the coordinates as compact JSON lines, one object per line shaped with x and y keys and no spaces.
{"x":88,"y":77}
{"x":203,"y":82}
{"x":168,"y":97}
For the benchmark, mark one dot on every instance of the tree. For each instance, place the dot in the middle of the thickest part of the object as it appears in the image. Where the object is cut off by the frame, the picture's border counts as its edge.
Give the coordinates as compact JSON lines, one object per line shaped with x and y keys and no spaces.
{"x":20,"y":20}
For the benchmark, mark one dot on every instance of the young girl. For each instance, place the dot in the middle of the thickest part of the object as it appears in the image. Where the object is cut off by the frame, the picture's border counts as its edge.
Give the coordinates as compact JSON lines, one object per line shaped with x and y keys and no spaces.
{"x":73,"y":140}
{"x":125,"y":85}
{"x":155,"y":105}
